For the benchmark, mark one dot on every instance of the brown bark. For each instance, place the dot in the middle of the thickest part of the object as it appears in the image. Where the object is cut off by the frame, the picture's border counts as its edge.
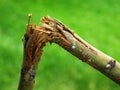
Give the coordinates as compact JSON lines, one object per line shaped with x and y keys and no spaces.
{"x":54,"y":31}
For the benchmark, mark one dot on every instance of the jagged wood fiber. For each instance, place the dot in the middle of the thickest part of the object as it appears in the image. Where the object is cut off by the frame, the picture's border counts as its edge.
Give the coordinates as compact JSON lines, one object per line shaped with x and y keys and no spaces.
{"x":34,"y":41}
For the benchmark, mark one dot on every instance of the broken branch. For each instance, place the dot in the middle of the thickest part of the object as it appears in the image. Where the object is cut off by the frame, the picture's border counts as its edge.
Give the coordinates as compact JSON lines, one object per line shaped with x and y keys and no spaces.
{"x":34,"y":41}
{"x":71,"y":42}
{"x":54,"y":31}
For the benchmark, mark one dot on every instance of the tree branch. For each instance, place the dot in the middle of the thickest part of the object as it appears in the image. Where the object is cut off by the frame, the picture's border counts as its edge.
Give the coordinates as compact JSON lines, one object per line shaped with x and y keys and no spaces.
{"x":54,"y":31}
{"x":71,"y":42}
{"x":33,"y":41}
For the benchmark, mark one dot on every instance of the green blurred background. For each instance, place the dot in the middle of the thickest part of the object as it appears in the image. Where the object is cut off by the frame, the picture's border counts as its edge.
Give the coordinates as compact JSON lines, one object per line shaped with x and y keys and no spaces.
{"x":96,"y":21}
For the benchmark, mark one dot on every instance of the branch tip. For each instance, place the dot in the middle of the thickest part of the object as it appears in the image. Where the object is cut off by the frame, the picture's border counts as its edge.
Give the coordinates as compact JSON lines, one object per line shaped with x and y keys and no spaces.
{"x":29,"y":17}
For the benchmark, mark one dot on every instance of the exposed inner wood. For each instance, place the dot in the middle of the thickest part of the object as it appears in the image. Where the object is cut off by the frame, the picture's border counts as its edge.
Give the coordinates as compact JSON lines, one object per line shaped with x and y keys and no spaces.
{"x":34,"y":41}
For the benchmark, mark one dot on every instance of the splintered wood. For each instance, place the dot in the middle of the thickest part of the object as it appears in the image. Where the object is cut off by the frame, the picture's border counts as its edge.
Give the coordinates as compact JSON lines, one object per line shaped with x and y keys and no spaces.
{"x":54,"y":31}
{"x":34,"y":41}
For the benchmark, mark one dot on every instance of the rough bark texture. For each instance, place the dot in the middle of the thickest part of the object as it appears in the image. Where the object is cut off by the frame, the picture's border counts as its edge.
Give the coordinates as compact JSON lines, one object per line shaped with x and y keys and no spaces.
{"x":54,"y":31}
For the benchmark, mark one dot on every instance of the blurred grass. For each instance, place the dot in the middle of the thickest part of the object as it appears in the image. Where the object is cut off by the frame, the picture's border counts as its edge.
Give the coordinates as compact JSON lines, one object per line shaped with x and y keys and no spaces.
{"x":96,"y":21}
